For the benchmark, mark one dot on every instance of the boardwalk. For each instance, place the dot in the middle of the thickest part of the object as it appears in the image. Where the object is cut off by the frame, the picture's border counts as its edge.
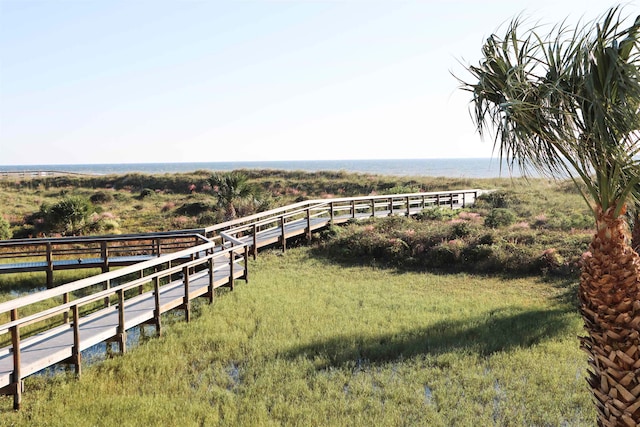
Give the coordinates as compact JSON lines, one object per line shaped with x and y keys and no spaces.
{"x":162,"y":272}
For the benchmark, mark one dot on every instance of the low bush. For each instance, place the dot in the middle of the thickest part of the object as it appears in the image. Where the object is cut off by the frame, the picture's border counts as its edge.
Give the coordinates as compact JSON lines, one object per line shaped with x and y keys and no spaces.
{"x":210,"y":218}
{"x":146,"y":192}
{"x":462,"y":229}
{"x":499,"y":217}
{"x":458,"y":246}
{"x":441,"y":214}
{"x":101,"y":197}
{"x":195,"y":208}
{"x":69,"y":215}
{"x":497,"y":199}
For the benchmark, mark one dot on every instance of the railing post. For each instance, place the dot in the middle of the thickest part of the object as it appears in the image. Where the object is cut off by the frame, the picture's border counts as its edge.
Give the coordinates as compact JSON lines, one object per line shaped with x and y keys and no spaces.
{"x":391,"y":206}
{"x":373,"y":208}
{"x":121,"y":336}
{"x":331,"y":208}
{"x":211,"y":290}
{"x":158,"y":247}
{"x":141,"y":287}
{"x":186,"y":302}
{"x":107,"y":299}
{"x":246,"y":264}
{"x":65,"y":300}
{"x":353,"y":209}
{"x":104,"y":253}
{"x":232,"y":255}
{"x":16,"y":380}
{"x":408,"y":207}
{"x":284,"y":238}
{"x":308,"y":230}
{"x":255,"y":241}
{"x":464,"y":200}
{"x":76,"y":356}
{"x":423,"y":202}
{"x":156,"y":309}
{"x":438,"y":199}
{"x":451,"y":200}
{"x":49,"y":266}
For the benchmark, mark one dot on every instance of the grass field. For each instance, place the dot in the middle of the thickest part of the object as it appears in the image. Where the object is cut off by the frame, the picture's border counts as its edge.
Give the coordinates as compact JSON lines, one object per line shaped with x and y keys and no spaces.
{"x":308,"y":342}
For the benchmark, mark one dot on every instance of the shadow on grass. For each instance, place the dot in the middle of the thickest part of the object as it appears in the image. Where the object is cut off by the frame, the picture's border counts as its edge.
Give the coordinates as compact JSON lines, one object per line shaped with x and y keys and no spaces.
{"x":499,"y":330}
{"x":567,"y":286}
{"x":568,"y":291}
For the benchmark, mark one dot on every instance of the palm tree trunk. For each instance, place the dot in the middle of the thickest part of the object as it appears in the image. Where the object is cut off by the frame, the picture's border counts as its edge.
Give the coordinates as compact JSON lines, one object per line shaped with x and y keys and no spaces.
{"x":635,"y":232}
{"x":230,"y":211}
{"x":610,"y":307}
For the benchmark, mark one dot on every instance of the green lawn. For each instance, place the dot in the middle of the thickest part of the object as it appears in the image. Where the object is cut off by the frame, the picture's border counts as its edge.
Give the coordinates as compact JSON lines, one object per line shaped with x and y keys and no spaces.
{"x":310,"y":343}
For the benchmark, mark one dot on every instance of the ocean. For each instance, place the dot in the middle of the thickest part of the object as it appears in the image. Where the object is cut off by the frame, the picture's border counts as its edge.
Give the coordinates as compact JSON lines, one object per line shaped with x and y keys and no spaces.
{"x":452,"y":168}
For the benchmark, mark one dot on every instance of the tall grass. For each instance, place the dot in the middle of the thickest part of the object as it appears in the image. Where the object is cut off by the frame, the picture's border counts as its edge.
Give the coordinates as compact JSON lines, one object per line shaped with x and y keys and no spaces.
{"x":307,"y":342}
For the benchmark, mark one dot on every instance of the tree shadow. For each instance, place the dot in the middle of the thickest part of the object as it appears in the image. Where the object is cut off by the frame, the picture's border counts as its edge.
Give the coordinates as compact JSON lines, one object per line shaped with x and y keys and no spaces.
{"x":567,"y":286}
{"x":497,"y":331}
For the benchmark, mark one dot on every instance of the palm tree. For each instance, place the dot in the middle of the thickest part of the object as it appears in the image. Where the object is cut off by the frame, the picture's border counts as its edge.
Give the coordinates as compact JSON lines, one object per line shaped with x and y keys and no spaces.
{"x":566,"y":104}
{"x":230,"y":188}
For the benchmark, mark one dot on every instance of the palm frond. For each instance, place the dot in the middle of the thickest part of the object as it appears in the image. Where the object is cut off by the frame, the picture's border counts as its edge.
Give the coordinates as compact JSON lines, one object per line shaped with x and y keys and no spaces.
{"x":565,"y":103}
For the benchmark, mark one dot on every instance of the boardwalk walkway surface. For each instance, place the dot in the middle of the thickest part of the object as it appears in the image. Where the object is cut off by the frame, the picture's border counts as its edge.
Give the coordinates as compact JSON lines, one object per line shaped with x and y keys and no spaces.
{"x":160,"y":272}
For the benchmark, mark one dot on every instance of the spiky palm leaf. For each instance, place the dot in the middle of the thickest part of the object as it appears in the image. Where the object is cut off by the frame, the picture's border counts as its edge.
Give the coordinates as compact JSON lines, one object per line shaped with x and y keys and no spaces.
{"x":229,"y":188}
{"x":566,"y":103}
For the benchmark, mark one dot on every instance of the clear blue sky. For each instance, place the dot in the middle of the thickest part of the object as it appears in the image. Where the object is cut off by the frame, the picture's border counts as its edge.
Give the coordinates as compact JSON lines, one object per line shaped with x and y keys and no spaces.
{"x":109,"y":81}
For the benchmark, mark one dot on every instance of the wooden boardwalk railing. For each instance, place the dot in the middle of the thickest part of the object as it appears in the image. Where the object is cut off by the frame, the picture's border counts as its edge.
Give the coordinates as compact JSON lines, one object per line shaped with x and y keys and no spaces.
{"x":101,"y":308}
{"x":163,"y":271}
{"x":104,"y":252}
{"x":259,"y":230}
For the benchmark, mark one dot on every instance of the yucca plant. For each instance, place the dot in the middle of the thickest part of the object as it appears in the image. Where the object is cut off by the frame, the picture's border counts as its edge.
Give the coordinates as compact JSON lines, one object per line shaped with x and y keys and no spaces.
{"x":565,"y":102}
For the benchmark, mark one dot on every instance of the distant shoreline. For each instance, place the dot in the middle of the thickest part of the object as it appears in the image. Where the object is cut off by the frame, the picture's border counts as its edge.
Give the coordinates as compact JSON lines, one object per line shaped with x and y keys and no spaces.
{"x":452,"y":168}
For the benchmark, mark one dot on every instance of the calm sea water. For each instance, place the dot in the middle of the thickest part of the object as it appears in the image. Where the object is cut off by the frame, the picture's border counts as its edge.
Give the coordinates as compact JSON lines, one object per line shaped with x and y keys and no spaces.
{"x":453,"y":168}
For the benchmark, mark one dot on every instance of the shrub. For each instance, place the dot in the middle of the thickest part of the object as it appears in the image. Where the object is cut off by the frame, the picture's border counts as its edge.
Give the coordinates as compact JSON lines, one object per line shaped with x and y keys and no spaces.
{"x":68,"y":216}
{"x":446,"y":254}
{"x":487,"y":239}
{"x":195,"y":208}
{"x":210,"y":218}
{"x":550,"y":260}
{"x":101,"y":197}
{"x":570,"y":222}
{"x":121,"y":197}
{"x":461,"y":229}
{"x":499,"y":217}
{"x":436,"y":214}
{"x":496,"y":199}
{"x":402,"y":189}
{"x":105,"y":223}
{"x":146,"y":192}
{"x":5,"y":229}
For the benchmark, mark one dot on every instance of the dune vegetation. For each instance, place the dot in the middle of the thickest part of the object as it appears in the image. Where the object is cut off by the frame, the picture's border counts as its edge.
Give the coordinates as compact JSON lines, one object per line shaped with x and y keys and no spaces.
{"x":465,"y":318}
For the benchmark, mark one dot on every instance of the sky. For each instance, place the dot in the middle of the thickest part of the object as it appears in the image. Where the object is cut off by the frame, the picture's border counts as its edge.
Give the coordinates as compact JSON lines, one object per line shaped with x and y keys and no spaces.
{"x":147,"y":81}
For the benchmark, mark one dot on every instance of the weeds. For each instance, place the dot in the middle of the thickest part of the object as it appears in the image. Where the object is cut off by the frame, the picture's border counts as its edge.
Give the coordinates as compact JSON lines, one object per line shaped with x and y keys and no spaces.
{"x":311,"y":343}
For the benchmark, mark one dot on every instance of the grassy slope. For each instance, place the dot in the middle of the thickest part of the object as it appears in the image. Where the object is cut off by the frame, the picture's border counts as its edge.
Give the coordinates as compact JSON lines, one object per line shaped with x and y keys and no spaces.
{"x":311,"y":343}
